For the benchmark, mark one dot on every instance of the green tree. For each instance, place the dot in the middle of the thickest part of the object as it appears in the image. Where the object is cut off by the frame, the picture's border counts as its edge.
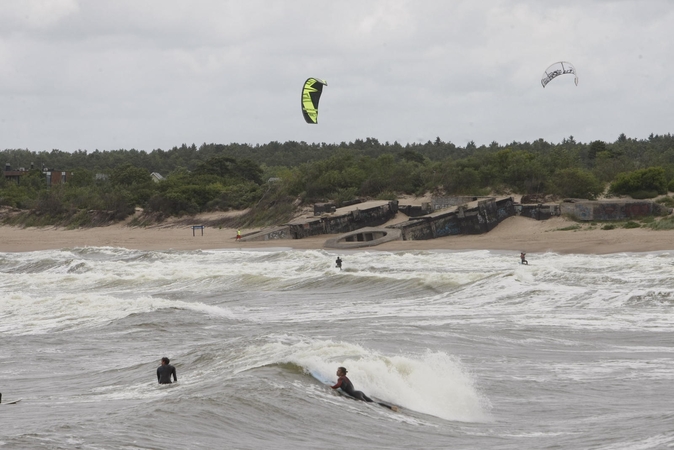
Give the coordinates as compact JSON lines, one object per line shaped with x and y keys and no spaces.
{"x":576,"y":183}
{"x":249,"y":170}
{"x":412,"y":156}
{"x":129,"y":175}
{"x":525,"y":173}
{"x":643,"y":183}
{"x":221,"y":166}
{"x":81,"y":178}
{"x":596,"y":148}
{"x":133,"y":183}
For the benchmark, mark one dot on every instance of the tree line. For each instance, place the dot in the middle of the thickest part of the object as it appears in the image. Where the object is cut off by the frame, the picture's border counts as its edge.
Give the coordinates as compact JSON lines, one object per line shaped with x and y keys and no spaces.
{"x":220,"y":177}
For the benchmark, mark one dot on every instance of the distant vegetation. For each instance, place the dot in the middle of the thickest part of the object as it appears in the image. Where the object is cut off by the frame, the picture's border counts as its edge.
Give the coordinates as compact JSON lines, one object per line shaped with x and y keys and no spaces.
{"x":275,"y":178}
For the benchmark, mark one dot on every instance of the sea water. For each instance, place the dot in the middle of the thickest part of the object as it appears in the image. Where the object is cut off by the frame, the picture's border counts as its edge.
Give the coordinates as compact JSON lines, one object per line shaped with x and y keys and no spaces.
{"x":477,"y":350}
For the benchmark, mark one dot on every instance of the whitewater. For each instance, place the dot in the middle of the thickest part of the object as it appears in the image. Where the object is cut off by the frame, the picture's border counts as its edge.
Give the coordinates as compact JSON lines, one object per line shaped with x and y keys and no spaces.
{"x":477,"y":350}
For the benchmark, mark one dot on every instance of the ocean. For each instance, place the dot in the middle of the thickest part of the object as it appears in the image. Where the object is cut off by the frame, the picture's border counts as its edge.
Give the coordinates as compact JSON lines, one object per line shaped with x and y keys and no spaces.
{"x":477,"y":350}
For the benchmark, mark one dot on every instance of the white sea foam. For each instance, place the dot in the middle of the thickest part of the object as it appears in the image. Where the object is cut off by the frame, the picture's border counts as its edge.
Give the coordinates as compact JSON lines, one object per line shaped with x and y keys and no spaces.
{"x":432,"y":383}
{"x":573,"y":351}
{"x":25,"y":314}
{"x":607,"y":292}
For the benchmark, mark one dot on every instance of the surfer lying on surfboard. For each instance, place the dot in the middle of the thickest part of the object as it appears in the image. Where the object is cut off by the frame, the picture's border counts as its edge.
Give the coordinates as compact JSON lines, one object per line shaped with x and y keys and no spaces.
{"x":347,"y":386}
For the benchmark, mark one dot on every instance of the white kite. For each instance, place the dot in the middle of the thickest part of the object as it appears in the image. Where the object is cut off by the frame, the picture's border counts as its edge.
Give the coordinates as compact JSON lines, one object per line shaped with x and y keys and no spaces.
{"x":557,"y":69}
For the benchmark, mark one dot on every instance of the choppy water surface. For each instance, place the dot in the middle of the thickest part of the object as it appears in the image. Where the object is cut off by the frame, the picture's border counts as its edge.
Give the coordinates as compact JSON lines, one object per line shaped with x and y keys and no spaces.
{"x":478,"y":351}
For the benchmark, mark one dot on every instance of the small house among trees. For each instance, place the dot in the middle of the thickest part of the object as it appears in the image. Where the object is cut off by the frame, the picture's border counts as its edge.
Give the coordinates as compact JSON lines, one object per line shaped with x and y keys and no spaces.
{"x":13,"y":175}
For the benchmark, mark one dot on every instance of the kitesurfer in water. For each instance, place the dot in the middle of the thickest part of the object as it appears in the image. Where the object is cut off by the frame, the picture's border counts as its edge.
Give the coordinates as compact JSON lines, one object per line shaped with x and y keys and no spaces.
{"x":339,"y":263}
{"x":523,"y":258}
{"x":347,"y":386}
{"x":165,"y":371}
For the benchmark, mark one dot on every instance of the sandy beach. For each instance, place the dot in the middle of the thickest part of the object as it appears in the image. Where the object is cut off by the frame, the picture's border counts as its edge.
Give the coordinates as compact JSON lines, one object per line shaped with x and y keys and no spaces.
{"x":513,"y":234}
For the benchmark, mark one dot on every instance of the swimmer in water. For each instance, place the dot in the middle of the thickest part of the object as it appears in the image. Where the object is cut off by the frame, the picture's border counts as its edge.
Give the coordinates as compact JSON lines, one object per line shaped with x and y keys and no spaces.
{"x":165,"y":371}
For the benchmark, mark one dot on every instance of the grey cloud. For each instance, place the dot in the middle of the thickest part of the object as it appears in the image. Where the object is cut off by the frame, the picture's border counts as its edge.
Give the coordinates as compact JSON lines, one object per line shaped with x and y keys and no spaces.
{"x":128,"y":74}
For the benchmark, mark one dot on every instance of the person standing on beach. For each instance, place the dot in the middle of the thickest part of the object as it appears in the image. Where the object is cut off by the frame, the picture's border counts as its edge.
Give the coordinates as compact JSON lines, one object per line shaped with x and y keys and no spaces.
{"x":238,"y":235}
{"x":165,"y":371}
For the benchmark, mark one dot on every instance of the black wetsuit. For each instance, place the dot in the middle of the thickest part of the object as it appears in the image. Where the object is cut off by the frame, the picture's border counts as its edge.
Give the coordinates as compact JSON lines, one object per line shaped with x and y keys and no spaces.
{"x":164,"y":373}
{"x":339,"y":263}
{"x":347,"y":386}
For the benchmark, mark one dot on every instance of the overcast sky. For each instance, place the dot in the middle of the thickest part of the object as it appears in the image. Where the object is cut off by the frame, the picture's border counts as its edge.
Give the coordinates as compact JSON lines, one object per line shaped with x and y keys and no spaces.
{"x":94,"y":74}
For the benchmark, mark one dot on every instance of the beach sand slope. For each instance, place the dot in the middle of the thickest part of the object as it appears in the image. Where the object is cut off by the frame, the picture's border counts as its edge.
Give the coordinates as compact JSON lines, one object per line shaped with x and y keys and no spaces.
{"x":513,"y":234}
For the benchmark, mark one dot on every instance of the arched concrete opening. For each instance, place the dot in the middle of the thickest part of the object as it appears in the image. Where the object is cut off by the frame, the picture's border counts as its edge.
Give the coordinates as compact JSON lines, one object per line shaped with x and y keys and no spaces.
{"x":365,"y":237}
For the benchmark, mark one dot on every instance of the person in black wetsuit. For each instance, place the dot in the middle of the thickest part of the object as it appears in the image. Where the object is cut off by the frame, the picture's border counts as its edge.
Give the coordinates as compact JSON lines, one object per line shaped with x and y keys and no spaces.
{"x":165,"y":371}
{"x":338,"y":263}
{"x":347,"y":386}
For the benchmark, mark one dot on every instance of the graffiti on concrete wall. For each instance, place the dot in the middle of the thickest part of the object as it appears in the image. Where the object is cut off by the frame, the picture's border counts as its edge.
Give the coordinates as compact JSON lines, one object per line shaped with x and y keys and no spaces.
{"x":480,"y":219}
{"x":447,"y":227}
{"x":278,"y":234}
{"x":638,"y":210}
{"x":505,"y":209}
{"x":471,"y":225}
{"x":419,"y":232}
{"x":584,"y":212}
{"x":449,"y":202}
{"x":606,"y":210}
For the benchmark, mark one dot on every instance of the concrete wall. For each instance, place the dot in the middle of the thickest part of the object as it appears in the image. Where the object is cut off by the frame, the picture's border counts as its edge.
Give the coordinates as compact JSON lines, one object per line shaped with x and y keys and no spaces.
{"x":324,"y":208}
{"x":463,"y":220}
{"x":451,"y":201}
{"x":415,"y":210}
{"x":444,"y":226}
{"x":611,"y":210}
{"x":416,"y":230}
{"x":269,"y":234}
{"x":539,"y":212}
{"x":478,"y":220}
{"x":306,"y":229}
{"x":353,"y":220}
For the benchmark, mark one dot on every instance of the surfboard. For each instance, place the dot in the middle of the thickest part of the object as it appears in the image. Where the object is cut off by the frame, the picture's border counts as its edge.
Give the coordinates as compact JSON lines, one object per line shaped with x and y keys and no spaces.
{"x":393,"y":408}
{"x":341,"y":392}
{"x":13,"y":402}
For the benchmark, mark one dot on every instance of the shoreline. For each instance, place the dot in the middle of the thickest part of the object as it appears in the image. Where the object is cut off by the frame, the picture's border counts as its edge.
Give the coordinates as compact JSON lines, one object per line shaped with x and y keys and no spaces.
{"x":514,"y":234}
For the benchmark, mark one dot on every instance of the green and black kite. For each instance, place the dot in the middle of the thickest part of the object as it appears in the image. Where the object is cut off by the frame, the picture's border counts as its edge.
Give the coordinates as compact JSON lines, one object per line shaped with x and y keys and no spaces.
{"x":311,"y":94}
